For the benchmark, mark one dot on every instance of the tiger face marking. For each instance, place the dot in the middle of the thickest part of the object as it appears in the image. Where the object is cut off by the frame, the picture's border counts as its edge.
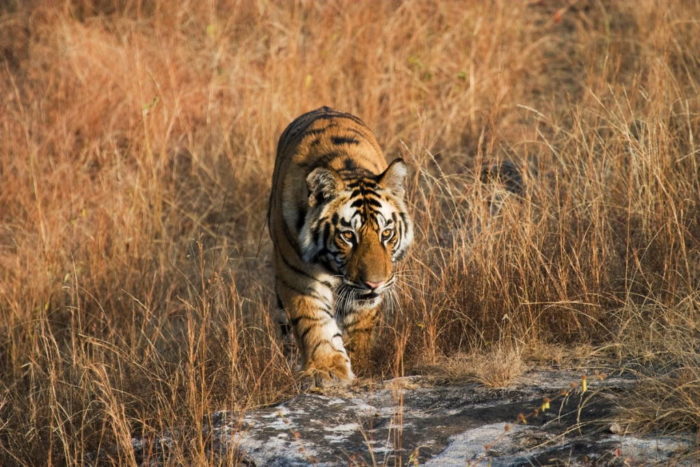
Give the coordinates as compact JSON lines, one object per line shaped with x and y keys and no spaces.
{"x":357,"y":228}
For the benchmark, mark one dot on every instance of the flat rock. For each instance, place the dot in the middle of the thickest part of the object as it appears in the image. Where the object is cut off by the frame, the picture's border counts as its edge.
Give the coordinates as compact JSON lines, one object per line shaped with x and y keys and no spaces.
{"x":421,"y":420}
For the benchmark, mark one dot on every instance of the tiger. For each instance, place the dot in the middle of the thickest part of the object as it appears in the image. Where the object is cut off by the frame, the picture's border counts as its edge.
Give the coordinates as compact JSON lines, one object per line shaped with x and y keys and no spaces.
{"x":338,"y":222}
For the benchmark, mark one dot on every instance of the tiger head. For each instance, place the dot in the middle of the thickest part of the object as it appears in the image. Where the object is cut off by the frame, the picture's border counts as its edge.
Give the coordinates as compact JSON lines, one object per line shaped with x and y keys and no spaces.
{"x":358,"y":227}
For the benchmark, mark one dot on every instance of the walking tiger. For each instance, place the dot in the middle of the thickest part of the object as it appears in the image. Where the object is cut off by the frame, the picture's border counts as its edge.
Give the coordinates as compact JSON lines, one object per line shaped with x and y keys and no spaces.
{"x":339,"y":224}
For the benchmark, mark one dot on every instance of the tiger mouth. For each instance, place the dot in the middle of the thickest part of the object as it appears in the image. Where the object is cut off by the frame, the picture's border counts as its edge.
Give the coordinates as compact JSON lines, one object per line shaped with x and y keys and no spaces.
{"x":362,"y":293}
{"x":369,"y":296}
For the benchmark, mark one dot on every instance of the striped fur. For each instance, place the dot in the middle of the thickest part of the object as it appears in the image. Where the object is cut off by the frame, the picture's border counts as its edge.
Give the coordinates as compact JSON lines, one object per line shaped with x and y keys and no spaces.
{"x":338,"y":224}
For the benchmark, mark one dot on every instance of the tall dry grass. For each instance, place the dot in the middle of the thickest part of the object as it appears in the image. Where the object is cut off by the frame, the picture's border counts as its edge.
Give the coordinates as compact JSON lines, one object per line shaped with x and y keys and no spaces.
{"x":137,"y":144}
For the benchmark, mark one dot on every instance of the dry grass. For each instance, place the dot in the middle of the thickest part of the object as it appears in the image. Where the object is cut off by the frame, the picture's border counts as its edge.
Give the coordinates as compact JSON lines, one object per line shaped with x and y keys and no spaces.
{"x":496,"y":368}
{"x":136,"y":148}
{"x":661,"y":344}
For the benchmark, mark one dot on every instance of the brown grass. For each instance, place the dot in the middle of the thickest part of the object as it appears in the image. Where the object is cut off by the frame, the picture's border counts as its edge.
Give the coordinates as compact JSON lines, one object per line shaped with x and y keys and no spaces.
{"x":136,"y":149}
{"x":497,"y":368}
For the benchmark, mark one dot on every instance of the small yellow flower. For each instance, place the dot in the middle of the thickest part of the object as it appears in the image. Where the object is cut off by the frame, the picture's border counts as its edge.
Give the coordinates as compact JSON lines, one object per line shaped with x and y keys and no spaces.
{"x":212,"y":30}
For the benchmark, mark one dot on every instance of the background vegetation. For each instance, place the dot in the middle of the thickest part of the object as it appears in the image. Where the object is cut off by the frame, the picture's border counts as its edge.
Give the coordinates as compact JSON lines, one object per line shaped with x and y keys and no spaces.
{"x":137,"y":142}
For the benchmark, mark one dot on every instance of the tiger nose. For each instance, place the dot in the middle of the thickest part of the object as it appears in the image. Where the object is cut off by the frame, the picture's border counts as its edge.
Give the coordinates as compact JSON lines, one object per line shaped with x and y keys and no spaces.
{"x":374,"y":285}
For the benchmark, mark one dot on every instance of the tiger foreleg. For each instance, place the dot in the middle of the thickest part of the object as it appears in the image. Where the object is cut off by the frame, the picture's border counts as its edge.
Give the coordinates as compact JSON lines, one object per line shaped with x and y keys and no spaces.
{"x":359,"y":331}
{"x":319,"y":339}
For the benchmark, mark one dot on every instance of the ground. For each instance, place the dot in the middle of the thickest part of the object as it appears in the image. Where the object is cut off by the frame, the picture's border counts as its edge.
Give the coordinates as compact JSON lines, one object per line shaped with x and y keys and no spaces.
{"x":543,"y":418}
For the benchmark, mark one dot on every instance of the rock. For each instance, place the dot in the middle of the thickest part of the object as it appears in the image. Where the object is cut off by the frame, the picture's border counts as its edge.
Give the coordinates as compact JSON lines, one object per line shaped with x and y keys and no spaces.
{"x":616,"y":428}
{"x":420,"y":420}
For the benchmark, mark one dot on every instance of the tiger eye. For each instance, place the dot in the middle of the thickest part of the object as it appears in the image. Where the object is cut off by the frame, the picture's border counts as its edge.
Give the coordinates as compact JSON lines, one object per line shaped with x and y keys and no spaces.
{"x":386,"y":234}
{"x":347,"y":235}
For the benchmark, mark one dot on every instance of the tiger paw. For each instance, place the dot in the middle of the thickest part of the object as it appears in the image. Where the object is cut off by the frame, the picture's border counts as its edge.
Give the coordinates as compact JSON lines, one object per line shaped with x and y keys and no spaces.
{"x":332,"y":369}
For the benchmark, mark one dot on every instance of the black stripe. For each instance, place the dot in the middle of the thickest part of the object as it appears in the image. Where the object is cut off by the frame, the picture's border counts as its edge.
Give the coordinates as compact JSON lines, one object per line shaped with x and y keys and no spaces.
{"x":318,"y":131}
{"x":314,"y":236}
{"x":299,"y":318}
{"x":325,"y":159}
{"x":306,"y":332}
{"x":357,"y":203}
{"x":303,"y":273}
{"x":349,"y":164}
{"x":315,"y":131}
{"x":318,"y":344}
{"x":326,"y":233}
{"x":308,"y":293}
{"x":301,"y":219}
{"x":340,"y":140}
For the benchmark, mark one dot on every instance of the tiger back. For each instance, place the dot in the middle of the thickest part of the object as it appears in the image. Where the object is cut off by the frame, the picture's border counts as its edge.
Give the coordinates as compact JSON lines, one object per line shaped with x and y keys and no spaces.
{"x":339,"y":224}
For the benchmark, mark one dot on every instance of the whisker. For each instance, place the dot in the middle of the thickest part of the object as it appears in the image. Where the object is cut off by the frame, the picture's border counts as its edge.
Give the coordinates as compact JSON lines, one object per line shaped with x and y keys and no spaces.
{"x":413,"y":287}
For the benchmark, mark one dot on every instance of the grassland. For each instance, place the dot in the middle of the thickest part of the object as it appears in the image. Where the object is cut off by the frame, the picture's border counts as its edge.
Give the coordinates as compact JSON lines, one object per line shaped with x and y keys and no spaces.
{"x":137,"y":142}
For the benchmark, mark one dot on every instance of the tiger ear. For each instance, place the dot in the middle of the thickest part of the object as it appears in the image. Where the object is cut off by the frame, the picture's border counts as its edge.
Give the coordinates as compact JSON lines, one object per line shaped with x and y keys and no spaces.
{"x":394,"y":176}
{"x":323,"y":185}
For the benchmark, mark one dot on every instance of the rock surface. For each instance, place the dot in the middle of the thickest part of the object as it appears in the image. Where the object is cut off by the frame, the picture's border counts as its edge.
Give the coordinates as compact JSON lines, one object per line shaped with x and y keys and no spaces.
{"x":544,"y":419}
